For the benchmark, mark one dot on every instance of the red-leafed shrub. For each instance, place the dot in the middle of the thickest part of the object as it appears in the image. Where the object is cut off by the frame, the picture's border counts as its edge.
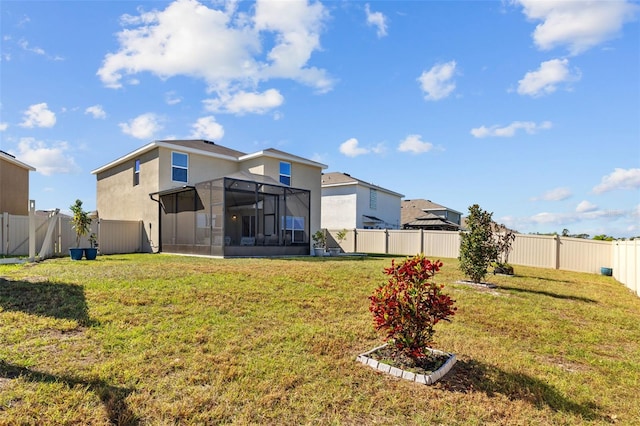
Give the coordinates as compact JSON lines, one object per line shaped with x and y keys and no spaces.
{"x":408,"y":307}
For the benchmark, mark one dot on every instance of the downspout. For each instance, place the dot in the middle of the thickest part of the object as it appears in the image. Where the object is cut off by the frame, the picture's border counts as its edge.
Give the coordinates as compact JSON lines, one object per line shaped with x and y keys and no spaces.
{"x":159,"y":225}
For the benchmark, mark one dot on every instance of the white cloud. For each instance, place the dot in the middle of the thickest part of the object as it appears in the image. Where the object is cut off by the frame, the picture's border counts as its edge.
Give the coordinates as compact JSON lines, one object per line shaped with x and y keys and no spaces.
{"x":586,"y":206}
{"x":96,"y":111}
{"x":509,"y":131}
{"x":222,"y":47}
{"x":3,"y":127}
{"x":557,"y":194}
{"x":619,"y":179}
{"x":207,"y":128}
{"x":579,"y":25}
{"x":414,"y":143}
{"x":48,"y":159}
{"x":143,"y":126}
{"x":25,"y":46}
{"x":437,"y":82}
{"x":376,"y":19}
{"x":171,"y":98}
{"x":546,"y":79}
{"x":38,"y":115}
{"x":245,"y":102}
{"x":351,"y":148}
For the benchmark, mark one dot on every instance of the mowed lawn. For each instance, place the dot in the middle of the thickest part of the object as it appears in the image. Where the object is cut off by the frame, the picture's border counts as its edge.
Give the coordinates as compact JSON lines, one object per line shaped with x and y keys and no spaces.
{"x":163,"y":340}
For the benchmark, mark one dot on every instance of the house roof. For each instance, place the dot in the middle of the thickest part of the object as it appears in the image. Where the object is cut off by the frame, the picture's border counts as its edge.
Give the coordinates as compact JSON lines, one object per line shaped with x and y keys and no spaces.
{"x":431,"y":221}
{"x":410,"y":210}
{"x":11,"y":159}
{"x":281,"y":155}
{"x":208,"y":148}
{"x":333,"y":179}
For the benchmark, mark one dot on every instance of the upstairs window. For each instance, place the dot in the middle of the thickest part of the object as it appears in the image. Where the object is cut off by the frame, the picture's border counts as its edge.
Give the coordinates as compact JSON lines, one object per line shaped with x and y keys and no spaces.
{"x":285,"y":173}
{"x":136,"y":173}
{"x":179,"y":167}
{"x":373,"y":199}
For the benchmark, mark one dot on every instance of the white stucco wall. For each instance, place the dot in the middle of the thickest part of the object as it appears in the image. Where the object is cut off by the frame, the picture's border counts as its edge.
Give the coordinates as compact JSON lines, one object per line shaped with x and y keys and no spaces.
{"x":339,"y":208}
{"x":387,"y":208}
{"x":344,"y":206}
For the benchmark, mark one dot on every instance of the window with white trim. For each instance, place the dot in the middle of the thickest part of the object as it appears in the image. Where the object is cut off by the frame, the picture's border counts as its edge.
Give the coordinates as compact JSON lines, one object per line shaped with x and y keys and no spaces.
{"x":179,"y":167}
{"x":285,"y":173}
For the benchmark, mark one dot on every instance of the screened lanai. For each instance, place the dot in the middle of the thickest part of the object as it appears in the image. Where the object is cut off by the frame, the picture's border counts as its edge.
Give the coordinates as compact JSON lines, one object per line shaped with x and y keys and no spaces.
{"x":239,"y":215}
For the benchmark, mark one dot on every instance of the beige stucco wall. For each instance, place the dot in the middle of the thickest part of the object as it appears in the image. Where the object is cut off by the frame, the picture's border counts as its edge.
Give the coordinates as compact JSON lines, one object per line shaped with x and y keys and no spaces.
{"x":303,"y":176}
{"x":201,"y":168}
{"x":118,"y":199}
{"x":14,"y":189}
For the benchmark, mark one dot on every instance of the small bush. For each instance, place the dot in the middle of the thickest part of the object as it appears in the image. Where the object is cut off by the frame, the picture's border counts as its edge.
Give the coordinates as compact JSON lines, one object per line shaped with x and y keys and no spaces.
{"x":477,"y":247}
{"x":408,"y":307}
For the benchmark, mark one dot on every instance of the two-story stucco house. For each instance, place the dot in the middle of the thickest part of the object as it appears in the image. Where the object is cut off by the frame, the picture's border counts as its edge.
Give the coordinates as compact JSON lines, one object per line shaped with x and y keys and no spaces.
{"x":198,"y":197}
{"x":349,"y":203}
{"x":14,"y":185}
{"x":427,"y":215}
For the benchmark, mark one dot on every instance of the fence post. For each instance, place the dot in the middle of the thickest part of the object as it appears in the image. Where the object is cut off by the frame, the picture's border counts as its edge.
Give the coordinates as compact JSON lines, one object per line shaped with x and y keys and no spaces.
{"x":557,"y":251}
{"x":355,"y":240}
{"x":2,"y":224}
{"x":386,"y":241}
{"x":422,"y":240}
{"x":32,"y":230}
{"x":5,"y":222}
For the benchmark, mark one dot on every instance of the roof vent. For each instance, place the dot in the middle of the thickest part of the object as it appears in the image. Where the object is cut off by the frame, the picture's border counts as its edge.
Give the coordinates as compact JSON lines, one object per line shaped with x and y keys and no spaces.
{"x":209,"y":142}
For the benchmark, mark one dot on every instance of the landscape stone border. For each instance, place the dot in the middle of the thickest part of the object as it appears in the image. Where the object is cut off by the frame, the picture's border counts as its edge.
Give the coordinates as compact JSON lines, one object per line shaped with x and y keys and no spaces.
{"x":425,"y":379}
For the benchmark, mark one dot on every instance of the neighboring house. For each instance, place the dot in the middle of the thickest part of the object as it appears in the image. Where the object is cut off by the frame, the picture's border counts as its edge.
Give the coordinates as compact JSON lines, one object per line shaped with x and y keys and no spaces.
{"x":349,"y":203}
{"x":14,"y":185}
{"x":427,"y":215}
{"x":198,"y":197}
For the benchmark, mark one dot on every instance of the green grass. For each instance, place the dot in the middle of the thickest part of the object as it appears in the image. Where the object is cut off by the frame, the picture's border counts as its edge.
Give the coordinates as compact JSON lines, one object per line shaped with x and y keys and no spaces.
{"x":159,"y":340}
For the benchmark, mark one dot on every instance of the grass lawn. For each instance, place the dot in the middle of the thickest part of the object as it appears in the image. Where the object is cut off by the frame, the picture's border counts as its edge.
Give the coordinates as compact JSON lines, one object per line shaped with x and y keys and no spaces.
{"x":160,"y":339}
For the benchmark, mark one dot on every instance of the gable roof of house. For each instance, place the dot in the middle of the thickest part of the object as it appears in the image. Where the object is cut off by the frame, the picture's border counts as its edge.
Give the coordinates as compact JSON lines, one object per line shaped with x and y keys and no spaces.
{"x":333,"y":179}
{"x":281,"y":155}
{"x":410,"y":210}
{"x":208,"y":148}
{"x":432,"y":221}
{"x":5,"y":156}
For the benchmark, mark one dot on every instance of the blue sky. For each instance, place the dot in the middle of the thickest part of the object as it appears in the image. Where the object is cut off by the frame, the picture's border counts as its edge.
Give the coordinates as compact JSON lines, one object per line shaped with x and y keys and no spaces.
{"x":530,"y":109}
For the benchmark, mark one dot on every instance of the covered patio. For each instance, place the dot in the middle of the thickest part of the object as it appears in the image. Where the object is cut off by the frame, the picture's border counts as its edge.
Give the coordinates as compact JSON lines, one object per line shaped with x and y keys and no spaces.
{"x":239,"y":215}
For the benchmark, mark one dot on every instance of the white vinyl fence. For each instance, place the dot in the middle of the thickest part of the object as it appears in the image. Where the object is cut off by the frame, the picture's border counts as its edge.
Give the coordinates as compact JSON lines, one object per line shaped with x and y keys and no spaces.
{"x":571,"y":254}
{"x":113,"y":236}
{"x":555,"y":252}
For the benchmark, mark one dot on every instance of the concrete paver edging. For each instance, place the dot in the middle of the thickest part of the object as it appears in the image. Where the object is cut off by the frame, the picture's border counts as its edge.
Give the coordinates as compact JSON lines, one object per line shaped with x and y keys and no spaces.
{"x":425,"y":379}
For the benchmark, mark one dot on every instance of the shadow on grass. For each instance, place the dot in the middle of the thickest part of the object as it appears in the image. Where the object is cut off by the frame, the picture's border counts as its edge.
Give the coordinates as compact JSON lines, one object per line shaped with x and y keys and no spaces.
{"x":63,"y":301}
{"x":473,"y":376}
{"x":548,"y":293}
{"x":112,"y":397}
{"x":539,"y":278}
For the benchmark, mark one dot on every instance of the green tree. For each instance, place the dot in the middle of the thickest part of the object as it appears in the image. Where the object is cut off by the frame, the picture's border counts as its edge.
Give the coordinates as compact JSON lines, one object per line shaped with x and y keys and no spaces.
{"x":80,"y":222}
{"x":603,"y":237}
{"x":477,"y":247}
